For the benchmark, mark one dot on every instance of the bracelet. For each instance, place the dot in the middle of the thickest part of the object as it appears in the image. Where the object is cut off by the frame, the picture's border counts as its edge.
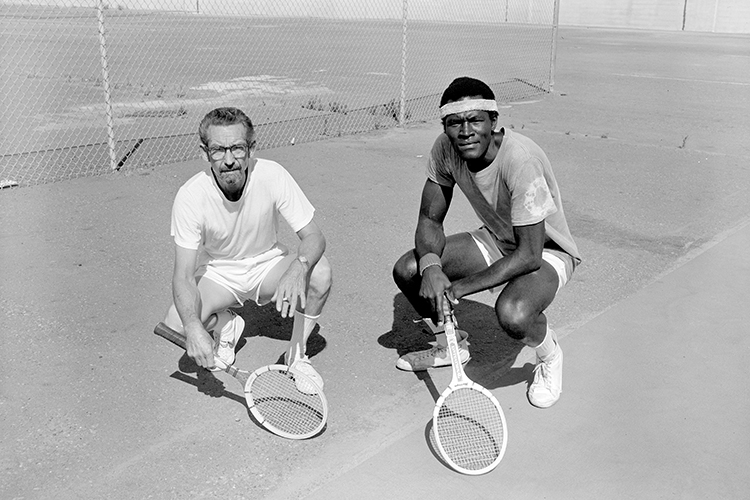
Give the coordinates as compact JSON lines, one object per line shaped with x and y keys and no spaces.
{"x":427,"y":260}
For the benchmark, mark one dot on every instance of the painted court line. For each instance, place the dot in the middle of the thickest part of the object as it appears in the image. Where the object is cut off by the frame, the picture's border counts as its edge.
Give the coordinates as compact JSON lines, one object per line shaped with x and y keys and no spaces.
{"x":653,"y":77}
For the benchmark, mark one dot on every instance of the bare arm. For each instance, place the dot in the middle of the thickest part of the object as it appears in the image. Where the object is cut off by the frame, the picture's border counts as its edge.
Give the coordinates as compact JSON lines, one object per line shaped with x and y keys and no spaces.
{"x":430,"y":238}
{"x":525,"y":259}
{"x":293,"y":283}
{"x":200,"y":345}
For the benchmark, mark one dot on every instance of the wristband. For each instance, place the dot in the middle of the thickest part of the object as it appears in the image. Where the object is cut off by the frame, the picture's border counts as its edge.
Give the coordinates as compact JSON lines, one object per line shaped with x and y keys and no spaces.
{"x":427,"y":260}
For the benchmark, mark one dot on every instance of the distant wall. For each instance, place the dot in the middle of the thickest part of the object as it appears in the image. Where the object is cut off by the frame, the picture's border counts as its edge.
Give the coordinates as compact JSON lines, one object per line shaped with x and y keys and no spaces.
{"x":474,"y":11}
{"x":720,"y":16}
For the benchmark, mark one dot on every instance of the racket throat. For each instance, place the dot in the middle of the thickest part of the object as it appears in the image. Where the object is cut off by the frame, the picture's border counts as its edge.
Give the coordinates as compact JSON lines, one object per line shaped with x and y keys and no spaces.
{"x":296,"y":349}
{"x":459,"y":377}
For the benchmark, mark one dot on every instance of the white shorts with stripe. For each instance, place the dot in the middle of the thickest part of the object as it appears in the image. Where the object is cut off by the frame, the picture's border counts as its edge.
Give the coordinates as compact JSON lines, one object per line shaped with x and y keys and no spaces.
{"x":559,"y":260}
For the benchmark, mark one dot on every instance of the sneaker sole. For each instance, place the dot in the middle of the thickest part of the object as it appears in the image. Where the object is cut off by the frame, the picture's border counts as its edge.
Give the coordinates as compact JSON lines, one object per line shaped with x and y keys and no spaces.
{"x":541,"y":405}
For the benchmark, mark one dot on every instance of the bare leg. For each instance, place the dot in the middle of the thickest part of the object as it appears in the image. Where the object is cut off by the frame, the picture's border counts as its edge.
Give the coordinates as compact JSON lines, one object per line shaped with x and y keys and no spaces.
{"x":318,"y":289}
{"x":212,"y":298}
{"x":461,"y":257}
{"x":519,"y":307}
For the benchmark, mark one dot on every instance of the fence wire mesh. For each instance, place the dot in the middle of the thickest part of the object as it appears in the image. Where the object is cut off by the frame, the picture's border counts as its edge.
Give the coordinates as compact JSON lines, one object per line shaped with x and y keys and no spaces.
{"x":90,"y":86}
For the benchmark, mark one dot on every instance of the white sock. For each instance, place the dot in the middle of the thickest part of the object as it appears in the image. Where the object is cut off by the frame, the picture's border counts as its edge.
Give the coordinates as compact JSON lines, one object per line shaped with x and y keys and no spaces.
{"x":442,"y":341}
{"x":225,"y":323}
{"x":303,"y":325}
{"x":548,"y":345}
{"x":437,"y":330}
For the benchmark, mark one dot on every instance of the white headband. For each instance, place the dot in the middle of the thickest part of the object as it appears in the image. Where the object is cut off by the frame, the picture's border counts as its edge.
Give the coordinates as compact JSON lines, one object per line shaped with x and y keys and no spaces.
{"x":467,"y":105}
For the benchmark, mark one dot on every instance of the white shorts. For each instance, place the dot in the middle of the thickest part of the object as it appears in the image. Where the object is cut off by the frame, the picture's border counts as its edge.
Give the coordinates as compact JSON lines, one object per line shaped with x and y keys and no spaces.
{"x":243,"y":278}
{"x":560,"y":261}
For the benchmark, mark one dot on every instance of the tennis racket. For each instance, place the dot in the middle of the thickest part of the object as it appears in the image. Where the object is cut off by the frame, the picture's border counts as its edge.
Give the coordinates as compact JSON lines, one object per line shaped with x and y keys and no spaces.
{"x":283,"y":400}
{"x":468,"y":422}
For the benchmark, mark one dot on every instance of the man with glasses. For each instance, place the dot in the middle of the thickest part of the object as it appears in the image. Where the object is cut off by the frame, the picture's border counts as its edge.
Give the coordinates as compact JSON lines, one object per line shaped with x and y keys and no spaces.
{"x":224,"y":225}
{"x":523,"y":247}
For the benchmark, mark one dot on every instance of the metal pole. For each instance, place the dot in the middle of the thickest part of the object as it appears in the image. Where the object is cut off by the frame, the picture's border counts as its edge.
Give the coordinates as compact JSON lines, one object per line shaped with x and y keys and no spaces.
{"x":105,"y":84}
{"x":528,"y":12}
{"x":684,"y":15}
{"x":402,"y":100}
{"x":716,"y":14}
{"x":553,"y":56}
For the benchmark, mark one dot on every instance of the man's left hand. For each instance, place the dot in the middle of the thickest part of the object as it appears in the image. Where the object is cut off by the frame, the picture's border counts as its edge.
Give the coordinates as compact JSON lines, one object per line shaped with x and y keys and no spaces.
{"x":292,"y":289}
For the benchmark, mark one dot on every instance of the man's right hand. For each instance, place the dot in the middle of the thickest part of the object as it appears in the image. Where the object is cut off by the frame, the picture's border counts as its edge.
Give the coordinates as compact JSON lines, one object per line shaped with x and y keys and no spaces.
{"x":433,"y":287}
{"x":200,"y":346}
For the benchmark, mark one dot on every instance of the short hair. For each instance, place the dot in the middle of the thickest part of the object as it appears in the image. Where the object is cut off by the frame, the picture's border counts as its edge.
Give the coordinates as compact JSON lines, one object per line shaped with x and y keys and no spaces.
{"x":466,"y":86}
{"x":223,"y":117}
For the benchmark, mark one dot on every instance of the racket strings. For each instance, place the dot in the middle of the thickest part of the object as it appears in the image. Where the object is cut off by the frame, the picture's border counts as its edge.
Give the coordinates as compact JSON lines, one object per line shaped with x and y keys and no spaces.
{"x":470,"y":429}
{"x":279,"y":402}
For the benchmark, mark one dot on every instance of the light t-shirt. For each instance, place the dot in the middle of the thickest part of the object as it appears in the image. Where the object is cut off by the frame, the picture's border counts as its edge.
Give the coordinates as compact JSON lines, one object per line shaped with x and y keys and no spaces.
{"x":222,"y":230}
{"x":518,"y":186}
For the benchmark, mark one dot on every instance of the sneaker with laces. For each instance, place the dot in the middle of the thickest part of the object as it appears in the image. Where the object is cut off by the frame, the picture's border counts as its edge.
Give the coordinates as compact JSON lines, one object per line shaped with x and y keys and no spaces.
{"x":304,"y":367}
{"x":225,"y":355}
{"x":435,"y":357}
{"x":546,"y":388}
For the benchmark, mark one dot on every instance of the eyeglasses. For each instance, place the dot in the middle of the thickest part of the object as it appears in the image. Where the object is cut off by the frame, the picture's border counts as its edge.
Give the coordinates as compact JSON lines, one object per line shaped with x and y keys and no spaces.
{"x":216,"y":153}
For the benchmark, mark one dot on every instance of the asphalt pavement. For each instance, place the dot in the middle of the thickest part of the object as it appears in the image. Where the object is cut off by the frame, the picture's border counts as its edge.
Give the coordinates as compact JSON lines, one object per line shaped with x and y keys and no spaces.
{"x":647,"y":134}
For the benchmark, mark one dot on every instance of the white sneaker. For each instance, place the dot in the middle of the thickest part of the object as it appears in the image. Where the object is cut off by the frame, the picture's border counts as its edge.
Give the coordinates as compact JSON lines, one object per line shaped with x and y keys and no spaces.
{"x":434,"y":357}
{"x":225,"y":355}
{"x":304,"y":366}
{"x":546,"y":388}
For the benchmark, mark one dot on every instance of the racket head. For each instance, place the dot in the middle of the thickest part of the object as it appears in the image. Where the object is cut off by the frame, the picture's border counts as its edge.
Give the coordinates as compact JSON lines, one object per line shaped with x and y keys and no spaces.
{"x":469,"y":428}
{"x":286,"y":402}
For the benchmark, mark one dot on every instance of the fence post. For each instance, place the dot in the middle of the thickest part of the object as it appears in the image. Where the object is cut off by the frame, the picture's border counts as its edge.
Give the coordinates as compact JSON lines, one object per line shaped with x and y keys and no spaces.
{"x":105,"y":84}
{"x":402,"y":100}
{"x":553,"y":56}
{"x":716,"y":13}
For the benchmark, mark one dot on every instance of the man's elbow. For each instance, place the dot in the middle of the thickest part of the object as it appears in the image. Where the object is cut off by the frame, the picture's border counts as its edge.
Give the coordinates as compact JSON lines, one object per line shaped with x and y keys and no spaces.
{"x":531,"y":263}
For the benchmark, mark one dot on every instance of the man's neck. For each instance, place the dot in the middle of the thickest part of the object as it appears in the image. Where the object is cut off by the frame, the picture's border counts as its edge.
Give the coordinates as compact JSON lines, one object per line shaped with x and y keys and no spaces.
{"x":233,"y":195}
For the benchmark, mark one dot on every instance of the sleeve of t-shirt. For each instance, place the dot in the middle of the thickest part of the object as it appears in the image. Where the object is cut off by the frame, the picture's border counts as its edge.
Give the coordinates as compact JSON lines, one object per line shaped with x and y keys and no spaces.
{"x":186,"y":223}
{"x":531,"y":199}
{"x":292,"y":203}
{"x":438,"y":169}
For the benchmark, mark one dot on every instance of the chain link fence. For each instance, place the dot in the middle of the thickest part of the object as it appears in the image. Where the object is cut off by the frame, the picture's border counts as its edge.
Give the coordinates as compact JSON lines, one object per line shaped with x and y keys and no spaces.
{"x":93,"y":86}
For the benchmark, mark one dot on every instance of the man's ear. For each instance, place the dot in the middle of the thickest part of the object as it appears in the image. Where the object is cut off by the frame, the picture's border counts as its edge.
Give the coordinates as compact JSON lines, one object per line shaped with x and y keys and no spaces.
{"x":204,"y":153}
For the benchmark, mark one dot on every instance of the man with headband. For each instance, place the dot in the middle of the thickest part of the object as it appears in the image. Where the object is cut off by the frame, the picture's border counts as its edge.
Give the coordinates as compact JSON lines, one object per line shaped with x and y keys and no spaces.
{"x":523,"y":249}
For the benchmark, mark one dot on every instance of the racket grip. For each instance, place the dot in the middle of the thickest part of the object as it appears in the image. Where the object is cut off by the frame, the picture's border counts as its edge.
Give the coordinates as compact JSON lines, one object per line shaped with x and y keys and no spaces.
{"x":176,"y":338}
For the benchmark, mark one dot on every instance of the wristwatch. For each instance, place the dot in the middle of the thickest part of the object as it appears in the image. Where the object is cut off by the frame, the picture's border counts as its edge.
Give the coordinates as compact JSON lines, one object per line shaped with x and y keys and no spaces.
{"x":304,"y":261}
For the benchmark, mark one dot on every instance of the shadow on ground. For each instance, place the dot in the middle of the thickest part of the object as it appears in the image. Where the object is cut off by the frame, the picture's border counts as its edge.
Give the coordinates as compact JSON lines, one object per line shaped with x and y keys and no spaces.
{"x":265,"y":321}
{"x":260,"y":321}
{"x":492,"y":351}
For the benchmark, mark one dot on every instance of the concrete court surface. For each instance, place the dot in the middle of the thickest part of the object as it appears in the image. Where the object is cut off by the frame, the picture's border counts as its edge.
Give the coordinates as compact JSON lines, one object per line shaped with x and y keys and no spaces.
{"x":647,"y":134}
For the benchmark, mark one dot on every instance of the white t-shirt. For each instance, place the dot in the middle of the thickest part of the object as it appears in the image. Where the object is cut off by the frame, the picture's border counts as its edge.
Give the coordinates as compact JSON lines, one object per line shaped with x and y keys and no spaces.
{"x":222,"y":230}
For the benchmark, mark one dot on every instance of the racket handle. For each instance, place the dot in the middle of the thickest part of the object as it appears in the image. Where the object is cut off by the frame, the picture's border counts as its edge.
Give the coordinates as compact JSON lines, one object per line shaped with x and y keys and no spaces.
{"x":176,"y":338}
